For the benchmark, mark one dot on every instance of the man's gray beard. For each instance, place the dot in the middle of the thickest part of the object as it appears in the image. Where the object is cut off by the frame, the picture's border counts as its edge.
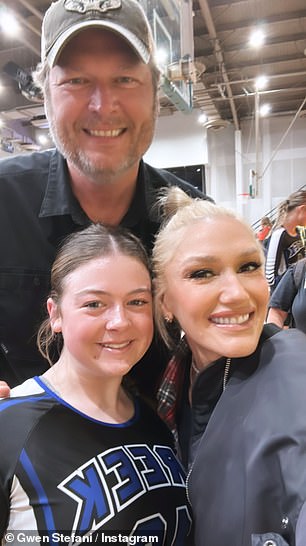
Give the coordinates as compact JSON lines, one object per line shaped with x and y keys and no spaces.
{"x":81,"y":162}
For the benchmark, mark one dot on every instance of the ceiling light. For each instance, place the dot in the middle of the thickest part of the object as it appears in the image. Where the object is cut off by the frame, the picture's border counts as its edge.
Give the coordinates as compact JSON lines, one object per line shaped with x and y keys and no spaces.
{"x":42,"y":139}
{"x":264,"y":110}
{"x":202,"y":118}
{"x":261,"y":82}
{"x":162,"y":56}
{"x":257,"y":38}
{"x":9,"y":23}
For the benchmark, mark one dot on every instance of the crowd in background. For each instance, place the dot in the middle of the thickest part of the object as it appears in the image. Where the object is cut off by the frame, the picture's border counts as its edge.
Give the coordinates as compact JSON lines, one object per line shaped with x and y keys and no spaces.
{"x":284,"y":241}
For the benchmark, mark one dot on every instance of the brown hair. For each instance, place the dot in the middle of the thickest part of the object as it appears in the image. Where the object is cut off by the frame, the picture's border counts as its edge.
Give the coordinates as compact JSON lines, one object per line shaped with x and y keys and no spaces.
{"x":265,"y":221}
{"x":77,"y":249}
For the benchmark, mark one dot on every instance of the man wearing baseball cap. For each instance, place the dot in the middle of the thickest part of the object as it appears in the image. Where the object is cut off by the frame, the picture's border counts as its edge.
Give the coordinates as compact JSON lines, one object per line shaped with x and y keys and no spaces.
{"x":100,"y":82}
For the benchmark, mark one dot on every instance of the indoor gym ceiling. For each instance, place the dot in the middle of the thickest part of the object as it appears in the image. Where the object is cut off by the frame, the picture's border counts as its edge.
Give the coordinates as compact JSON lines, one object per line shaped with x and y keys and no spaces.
{"x":225,"y":66}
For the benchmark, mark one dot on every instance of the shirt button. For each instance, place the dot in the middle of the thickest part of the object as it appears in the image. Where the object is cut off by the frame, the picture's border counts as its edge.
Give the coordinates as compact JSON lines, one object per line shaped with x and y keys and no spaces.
{"x":269,"y":543}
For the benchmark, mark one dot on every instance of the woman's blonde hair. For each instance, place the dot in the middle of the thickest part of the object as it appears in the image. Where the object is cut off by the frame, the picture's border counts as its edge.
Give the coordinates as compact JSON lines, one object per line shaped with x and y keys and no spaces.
{"x":179,"y":211}
{"x":295,"y":199}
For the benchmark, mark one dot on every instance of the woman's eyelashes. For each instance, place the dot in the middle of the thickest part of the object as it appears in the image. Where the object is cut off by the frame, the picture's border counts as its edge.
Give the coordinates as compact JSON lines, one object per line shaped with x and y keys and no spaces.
{"x":251,"y":266}
{"x":200,"y":274}
{"x":203,"y":273}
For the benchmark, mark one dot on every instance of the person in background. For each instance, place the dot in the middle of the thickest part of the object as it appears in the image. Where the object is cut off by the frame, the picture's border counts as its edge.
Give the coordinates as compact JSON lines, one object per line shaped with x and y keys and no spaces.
{"x":234,"y":392}
{"x":264,"y":233}
{"x":286,"y":245}
{"x":80,"y":454}
{"x":265,"y":228}
{"x":289,"y":297}
{"x":100,"y":84}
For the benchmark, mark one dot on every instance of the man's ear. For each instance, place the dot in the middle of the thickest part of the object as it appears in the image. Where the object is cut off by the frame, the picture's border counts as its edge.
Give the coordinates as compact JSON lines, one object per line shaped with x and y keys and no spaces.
{"x":54,"y":314}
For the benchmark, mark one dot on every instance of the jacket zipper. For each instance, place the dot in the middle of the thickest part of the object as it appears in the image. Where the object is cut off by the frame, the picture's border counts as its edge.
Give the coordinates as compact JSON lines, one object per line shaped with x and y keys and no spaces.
{"x":187,"y":483}
{"x":225,"y":379}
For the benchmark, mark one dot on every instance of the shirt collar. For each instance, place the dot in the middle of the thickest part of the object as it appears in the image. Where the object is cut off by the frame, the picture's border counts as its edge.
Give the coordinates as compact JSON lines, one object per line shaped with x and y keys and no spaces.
{"x":59,"y":199}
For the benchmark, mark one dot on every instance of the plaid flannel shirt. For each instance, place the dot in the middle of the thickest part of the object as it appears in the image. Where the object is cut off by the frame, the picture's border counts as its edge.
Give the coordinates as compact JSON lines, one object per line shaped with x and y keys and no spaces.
{"x":169,"y":394}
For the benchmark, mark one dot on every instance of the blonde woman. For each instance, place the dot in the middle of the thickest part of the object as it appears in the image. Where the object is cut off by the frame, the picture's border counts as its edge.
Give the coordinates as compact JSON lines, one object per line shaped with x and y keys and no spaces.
{"x":234,"y":391}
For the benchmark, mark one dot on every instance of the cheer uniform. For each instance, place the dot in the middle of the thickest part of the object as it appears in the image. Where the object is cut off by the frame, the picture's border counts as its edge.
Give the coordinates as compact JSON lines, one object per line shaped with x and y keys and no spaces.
{"x":61,"y":470}
{"x":284,"y":250}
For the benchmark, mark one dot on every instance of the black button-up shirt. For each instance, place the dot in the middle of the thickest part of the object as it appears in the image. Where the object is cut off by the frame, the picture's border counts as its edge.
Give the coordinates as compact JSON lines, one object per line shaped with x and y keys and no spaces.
{"x":37,"y":210}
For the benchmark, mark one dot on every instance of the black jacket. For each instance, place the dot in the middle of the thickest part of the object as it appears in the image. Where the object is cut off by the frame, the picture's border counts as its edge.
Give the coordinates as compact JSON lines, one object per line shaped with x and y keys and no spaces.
{"x":247,"y":484}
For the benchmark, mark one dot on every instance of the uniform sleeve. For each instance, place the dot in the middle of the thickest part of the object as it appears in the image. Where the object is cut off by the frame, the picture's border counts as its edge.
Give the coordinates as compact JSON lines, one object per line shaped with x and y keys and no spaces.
{"x":274,"y":255}
{"x":15,"y":424}
{"x":285,"y":292}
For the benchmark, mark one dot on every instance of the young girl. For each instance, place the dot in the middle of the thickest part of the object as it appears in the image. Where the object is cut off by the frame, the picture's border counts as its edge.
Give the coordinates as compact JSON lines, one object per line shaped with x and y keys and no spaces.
{"x":79,"y":453}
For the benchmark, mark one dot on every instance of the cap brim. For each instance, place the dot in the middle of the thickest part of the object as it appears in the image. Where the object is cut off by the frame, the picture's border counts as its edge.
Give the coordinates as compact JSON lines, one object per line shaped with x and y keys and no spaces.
{"x":133,"y":40}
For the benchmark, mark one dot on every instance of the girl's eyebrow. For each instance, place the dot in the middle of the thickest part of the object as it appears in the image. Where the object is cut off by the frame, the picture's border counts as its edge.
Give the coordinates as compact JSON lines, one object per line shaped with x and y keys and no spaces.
{"x":98,"y":292}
